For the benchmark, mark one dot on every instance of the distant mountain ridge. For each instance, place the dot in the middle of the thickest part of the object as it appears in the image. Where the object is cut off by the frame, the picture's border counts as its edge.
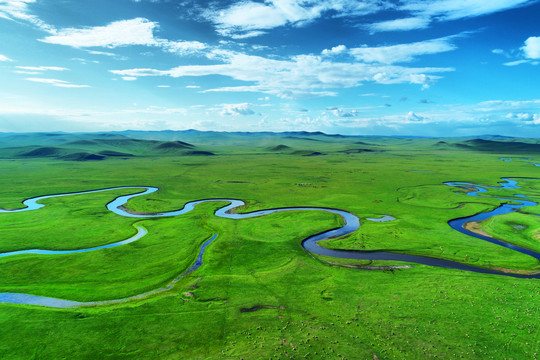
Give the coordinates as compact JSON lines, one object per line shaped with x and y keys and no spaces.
{"x":135,"y":143}
{"x":168,"y":134}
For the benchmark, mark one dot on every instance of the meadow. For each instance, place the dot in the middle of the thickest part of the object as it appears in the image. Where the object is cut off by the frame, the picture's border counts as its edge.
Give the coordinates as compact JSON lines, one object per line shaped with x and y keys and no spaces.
{"x":259,"y":293}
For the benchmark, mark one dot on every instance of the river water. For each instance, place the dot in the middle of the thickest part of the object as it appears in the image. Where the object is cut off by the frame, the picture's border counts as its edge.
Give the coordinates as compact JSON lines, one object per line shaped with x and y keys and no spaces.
{"x":352,"y":223}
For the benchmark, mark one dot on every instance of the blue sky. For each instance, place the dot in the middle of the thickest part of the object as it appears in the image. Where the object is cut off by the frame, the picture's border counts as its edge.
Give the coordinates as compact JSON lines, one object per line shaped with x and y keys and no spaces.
{"x":373,"y":67}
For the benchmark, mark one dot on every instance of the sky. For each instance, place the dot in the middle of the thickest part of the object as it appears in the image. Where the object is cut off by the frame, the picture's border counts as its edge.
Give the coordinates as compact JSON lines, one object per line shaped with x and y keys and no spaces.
{"x":365,"y":67}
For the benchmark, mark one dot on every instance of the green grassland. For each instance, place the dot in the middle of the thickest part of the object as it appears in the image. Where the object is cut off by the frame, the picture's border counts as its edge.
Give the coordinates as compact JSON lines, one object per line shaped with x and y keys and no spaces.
{"x":259,"y":294}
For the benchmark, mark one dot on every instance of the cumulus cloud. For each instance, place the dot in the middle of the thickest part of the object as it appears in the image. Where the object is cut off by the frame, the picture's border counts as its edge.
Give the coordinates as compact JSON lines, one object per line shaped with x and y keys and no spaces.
{"x":237,"y":109}
{"x":57,"y":83}
{"x":342,"y":113}
{"x":4,"y":58}
{"x":527,"y":117}
{"x":531,"y":48}
{"x":519,"y":112}
{"x":529,"y":53}
{"x":299,"y":76}
{"x":336,"y":50}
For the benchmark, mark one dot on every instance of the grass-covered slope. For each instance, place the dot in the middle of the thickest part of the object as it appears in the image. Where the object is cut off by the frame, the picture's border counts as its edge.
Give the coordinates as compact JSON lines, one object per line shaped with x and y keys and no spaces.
{"x":88,"y":147}
{"x":503,"y":147}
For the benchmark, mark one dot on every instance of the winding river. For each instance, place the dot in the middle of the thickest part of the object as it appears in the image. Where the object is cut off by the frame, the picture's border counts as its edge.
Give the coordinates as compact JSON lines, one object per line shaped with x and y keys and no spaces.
{"x":352,"y":223}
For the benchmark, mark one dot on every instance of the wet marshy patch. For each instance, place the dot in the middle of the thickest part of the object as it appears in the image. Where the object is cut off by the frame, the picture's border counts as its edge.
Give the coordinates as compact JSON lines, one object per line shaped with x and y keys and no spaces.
{"x":259,"y":307}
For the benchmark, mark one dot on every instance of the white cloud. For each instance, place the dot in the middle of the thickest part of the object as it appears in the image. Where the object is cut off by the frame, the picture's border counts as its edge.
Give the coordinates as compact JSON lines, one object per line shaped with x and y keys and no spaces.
{"x":42,"y":68}
{"x":244,"y":35}
{"x":181,"y":47}
{"x":300,"y":76}
{"x":336,"y":50}
{"x":423,"y":12}
{"x":18,"y":10}
{"x":501,"y":106}
{"x":524,"y":116}
{"x":240,"y":20}
{"x":342,"y":113}
{"x":458,"y":9}
{"x":129,"y":78}
{"x":249,"y":18}
{"x":192,"y":86}
{"x":164,"y":86}
{"x":529,"y":53}
{"x":57,"y":83}
{"x":515,"y":63}
{"x":402,"y":52}
{"x":27,"y":72}
{"x":106,"y":53}
{"x":94,"y":52}
{"x":405,"y":24}
{"x":137,"y":31}
{"x":237,"y":109}
{"x":531,"y":48}
{"x":4,"y":58}
{"x":422,"y":79}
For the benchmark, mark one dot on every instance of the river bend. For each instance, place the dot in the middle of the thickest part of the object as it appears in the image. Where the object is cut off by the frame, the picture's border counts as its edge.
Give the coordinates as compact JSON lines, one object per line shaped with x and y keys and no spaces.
{"x":352,"y":223}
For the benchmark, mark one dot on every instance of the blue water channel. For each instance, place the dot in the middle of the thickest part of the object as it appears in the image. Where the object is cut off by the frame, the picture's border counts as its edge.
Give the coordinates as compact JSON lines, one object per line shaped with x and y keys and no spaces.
{"x":352,"y":223}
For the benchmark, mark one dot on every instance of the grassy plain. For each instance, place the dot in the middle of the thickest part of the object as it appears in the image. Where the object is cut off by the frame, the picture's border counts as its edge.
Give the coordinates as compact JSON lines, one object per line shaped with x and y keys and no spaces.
{"x":259,"y":294}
